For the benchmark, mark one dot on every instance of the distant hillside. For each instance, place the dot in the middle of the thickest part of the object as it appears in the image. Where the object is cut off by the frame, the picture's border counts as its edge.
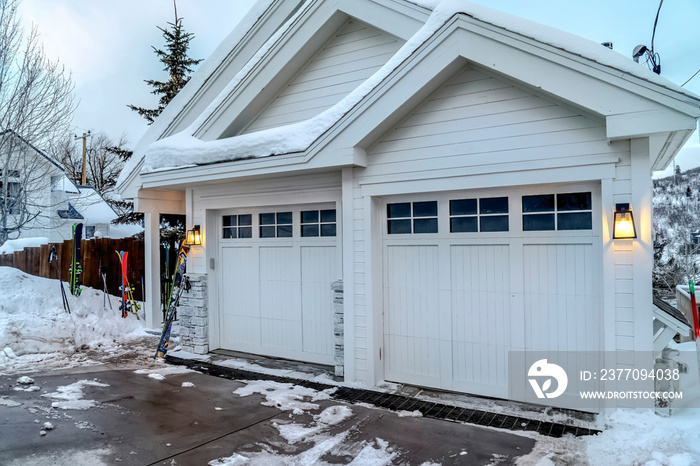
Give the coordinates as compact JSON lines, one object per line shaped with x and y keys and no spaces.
{"x":676,"y":217}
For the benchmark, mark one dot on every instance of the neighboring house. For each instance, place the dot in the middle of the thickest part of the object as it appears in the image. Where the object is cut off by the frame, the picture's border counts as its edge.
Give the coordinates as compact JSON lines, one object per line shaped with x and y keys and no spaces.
{"x":33,"y":178}
{"x":82,"y":204}
{"x":51,"y":202}
{"x":458,"y":169}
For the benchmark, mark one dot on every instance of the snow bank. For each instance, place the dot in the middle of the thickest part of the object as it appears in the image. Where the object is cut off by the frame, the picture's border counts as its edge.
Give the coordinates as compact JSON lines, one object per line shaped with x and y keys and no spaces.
{"x":33,"y":321}
{"x":12,"y":245}
{"x":645,"y":438}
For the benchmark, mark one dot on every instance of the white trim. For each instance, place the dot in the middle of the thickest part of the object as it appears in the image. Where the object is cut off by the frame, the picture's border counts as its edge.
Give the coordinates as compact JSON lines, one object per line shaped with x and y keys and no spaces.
{"x":346,"y":209}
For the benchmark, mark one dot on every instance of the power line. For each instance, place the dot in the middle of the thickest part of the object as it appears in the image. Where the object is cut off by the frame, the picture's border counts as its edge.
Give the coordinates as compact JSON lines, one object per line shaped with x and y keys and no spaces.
{"x":689,"y":79}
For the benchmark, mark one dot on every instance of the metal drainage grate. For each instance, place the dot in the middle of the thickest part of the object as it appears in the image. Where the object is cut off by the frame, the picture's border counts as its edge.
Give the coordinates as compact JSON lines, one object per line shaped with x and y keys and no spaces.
{"x":398,"y":402}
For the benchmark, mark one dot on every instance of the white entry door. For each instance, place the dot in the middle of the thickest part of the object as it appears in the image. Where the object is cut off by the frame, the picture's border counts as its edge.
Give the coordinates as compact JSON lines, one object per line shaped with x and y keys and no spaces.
{"x":277,"y":267}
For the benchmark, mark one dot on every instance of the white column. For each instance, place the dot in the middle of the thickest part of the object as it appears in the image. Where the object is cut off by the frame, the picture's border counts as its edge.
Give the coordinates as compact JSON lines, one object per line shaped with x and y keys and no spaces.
{"x":642,"y":246}
{"x":151,"y":307}
{"x":348,"y":247}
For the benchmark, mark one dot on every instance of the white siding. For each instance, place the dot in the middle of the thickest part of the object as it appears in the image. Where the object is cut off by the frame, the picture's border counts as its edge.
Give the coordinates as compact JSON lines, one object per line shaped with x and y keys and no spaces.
{"x":348,"y":59}
{"x":479,"y":123}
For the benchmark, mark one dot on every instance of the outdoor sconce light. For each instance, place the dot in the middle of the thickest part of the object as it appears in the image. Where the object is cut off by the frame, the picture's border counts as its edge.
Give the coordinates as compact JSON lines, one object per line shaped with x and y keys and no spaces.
{"x":194,"y":236}
{"x":623,"y":226}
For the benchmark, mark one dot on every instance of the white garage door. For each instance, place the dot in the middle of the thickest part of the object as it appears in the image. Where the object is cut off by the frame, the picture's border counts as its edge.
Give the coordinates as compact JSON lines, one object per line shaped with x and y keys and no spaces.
{"x":277,"y":266}
{"x":470,"y":276}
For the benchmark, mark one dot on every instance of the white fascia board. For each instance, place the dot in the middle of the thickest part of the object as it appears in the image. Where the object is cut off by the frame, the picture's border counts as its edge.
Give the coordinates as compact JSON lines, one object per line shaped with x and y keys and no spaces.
{"x":544,"y":71}
{"x":397,"y":17}
{"x":128,"y":188}
{"x":244,"y":169}
{"x":640,"y":124}
{"x":663,"y":147}
{"x":600,"y":89}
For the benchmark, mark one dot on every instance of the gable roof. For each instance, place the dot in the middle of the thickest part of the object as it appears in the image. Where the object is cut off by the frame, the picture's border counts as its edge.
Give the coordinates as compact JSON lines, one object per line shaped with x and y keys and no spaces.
{"x":187,"y":147}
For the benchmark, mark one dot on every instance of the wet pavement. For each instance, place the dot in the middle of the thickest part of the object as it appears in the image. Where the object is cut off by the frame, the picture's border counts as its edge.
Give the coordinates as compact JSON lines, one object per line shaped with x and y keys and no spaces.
{"x":137,"y":419}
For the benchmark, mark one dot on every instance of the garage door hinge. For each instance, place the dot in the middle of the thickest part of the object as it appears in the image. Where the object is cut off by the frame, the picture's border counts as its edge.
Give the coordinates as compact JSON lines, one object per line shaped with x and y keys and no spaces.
{"x":380,"y":354}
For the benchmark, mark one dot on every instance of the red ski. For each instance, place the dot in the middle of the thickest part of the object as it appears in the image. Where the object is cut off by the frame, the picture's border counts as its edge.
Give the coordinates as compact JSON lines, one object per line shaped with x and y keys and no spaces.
{"x":128,"y":305}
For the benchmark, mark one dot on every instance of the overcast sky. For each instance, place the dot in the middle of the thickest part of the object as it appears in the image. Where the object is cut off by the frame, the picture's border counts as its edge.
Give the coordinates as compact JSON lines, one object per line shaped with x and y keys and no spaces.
{"x":107,"y":45}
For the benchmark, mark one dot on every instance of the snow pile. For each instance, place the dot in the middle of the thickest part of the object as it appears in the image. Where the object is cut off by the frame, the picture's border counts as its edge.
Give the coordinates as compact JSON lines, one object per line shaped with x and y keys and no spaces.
{"x":159,"y":373}
{"x":35,"y":329}
{"x":285,"y":396}
{"x":645,"y":438}
{"x":12,"y":245}
{"x":331,"y":416}
{"x":71,"y":396}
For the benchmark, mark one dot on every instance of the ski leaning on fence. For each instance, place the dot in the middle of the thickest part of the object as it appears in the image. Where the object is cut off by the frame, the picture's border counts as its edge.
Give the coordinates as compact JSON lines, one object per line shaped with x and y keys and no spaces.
{"x":180,"y":284}
{"x":75,"y":268}
{"x":105,"y":292}
{"x":53,"y":257}
{"x":128,"y":304}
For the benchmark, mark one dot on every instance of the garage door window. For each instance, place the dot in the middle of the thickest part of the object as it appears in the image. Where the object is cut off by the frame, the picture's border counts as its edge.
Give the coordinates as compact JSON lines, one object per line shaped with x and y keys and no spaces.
{"x":238,"y":226}
{"x":412,"y":217}
{"x":568,"y":211}
{"x":473,"y":215}
{"x":318,"y":223}
{"x":276,"y":225}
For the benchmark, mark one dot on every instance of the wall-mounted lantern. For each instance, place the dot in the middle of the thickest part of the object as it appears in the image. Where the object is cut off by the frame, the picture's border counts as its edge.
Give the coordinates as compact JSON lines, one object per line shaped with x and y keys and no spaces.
{"x":623,"y":226}
{"x":194,"y":236}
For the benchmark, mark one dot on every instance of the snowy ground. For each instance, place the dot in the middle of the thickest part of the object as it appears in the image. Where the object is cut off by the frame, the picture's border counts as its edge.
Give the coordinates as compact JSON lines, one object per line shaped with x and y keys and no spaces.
{"x":38,"y":335}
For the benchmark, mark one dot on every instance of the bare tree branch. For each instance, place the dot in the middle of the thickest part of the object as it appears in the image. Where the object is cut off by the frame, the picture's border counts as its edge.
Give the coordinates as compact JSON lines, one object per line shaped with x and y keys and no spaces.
{"x":36,"y":106}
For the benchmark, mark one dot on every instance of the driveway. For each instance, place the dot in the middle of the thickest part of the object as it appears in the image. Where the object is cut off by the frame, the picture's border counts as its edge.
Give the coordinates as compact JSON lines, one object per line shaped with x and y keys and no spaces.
{"x":172,"y":416}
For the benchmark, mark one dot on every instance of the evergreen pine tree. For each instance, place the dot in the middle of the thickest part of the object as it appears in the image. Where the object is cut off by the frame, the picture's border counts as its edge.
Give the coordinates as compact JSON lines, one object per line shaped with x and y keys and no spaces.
{"x":176,"y":63}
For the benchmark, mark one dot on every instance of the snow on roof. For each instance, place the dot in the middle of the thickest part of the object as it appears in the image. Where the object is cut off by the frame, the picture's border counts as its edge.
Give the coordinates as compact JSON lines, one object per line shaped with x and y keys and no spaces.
{"x":183,"y":149}
{"x":62,"y":183}
{"x":92,"y":206}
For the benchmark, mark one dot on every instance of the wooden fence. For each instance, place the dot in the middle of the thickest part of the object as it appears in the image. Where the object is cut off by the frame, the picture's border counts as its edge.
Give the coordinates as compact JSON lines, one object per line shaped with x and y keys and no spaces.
{"x":95,"y":252}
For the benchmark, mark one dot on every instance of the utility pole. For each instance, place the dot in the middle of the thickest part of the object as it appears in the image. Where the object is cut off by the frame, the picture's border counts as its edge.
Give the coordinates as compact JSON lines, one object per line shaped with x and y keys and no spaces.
{"x":84,"y":138}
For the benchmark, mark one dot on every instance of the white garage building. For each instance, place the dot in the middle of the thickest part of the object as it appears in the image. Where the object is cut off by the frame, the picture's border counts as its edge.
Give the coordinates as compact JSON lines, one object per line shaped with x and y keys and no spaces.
{"x":457,"y":169}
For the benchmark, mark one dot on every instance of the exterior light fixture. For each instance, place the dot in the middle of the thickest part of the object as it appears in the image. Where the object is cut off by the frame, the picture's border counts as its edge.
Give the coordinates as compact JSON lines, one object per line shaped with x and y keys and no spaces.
{"x":623,"y":226}
{"x":194,"y":236}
